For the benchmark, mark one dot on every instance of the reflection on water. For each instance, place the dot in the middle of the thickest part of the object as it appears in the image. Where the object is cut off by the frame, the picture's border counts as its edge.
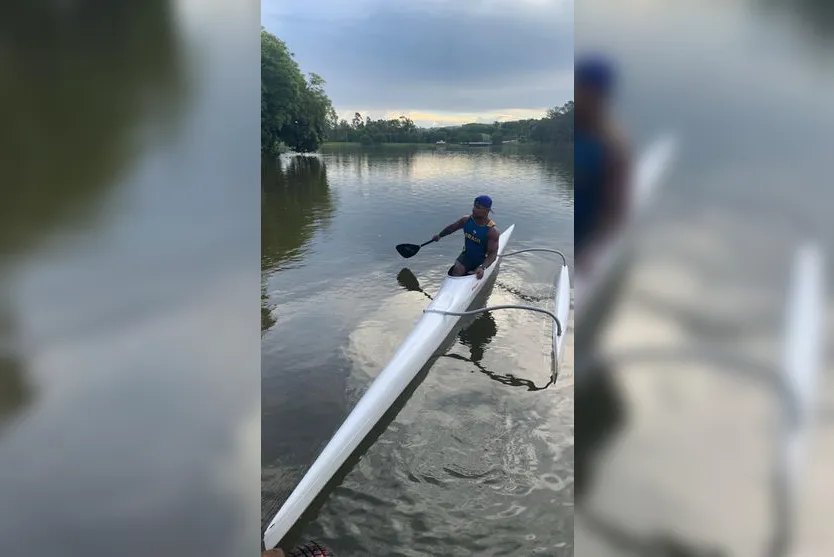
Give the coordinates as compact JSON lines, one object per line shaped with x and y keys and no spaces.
{"x":121,"y":417}
{"x":267,"y":319}
{"x":477,"y":335}
{"x":64,"y":149}
{"x":16,"y":392}
{"x":467,"y":444}
{"x":507,"y":379}
{"x":401,"y":159}
{"x":407,"y":280}
{"x":296,"y":202}
{"x":556,"y":164}
{"x":712,"y":279}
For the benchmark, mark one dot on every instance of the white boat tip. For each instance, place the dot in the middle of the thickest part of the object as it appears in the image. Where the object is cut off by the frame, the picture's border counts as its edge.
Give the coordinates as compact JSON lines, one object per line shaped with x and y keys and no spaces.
{"x":803,"y":348}
{"x":806,"y":298}
{"x":657,"y":159}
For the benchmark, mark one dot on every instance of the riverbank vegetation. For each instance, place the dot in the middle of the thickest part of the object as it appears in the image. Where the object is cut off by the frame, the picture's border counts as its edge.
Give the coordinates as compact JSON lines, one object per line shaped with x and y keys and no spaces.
{"x":555,"y":128}
{"x":297,"y":115}
{"x":294,"y":109}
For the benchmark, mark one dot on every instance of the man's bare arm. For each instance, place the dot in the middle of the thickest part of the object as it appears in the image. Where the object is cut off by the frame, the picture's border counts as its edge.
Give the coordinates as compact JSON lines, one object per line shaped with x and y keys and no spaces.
{"x":618,"y":183}
{"x":454,"y":227}
{"x":492,"y":247}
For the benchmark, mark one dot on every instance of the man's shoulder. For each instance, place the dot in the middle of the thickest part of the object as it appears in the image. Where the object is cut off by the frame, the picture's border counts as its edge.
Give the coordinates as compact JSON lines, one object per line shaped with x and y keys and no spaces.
{"x":494,"y":231}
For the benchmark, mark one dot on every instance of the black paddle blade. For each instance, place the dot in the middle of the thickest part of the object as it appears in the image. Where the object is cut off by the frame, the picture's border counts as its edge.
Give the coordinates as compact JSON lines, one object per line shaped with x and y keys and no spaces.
{"x":408,"y":281}
{"x":408,"y":250}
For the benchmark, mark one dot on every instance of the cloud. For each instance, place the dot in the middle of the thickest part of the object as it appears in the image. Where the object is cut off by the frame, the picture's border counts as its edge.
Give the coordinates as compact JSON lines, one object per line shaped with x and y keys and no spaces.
{"x":438,"y":56}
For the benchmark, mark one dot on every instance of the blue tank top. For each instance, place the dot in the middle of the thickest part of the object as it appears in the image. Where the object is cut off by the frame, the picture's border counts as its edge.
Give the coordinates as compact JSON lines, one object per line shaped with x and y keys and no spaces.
{"x":476,"y":240}
{"x":589,"y":183}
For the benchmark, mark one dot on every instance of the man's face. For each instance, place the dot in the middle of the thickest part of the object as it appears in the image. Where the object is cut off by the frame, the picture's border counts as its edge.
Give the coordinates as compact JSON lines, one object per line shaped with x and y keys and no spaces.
{"x":479,"y":211}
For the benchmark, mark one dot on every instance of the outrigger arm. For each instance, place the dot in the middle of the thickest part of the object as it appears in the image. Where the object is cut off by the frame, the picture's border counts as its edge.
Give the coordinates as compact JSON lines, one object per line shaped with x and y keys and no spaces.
{"x":557,"y":252}
{"x":511,"y":306}
{"x":493,"y":308}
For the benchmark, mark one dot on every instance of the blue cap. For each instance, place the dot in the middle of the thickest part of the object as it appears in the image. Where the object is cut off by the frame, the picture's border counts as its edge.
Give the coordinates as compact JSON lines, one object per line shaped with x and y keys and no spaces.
{"x":484,"y":201}
{"x":596,"y":71}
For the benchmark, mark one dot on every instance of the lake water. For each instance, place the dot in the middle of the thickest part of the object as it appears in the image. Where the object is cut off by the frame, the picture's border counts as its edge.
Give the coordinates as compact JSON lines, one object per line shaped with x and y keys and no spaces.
{"x":479,"y":460}
{"x":752,"y":183}
{"x":129,"y":346}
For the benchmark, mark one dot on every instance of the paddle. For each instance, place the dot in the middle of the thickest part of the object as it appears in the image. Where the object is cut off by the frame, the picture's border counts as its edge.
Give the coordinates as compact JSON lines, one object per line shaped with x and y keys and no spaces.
{"x":410,"y":250}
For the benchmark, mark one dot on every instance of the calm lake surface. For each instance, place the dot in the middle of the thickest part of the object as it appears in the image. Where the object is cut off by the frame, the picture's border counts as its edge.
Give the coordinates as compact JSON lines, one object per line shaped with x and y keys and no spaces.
{"x":129,"y":345}
{"x":695,"y":455}
{"x":480,"y":459}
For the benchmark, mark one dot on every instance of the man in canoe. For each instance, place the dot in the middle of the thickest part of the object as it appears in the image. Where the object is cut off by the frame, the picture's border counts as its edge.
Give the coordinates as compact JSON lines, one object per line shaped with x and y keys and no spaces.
{"x":601,"y":171}
{"x":480,"y":243}
{"x":601,"y":159}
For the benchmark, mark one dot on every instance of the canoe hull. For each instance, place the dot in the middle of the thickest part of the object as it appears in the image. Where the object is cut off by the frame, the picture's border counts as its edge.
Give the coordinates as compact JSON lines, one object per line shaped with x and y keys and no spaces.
{"x":562,"y":303}
{"x":456,"y":294}
{"x":595,"y":287}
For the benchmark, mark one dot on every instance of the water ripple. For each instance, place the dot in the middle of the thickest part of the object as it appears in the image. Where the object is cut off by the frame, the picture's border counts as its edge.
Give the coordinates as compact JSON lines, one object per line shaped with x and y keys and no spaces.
{"x":470,"y":465}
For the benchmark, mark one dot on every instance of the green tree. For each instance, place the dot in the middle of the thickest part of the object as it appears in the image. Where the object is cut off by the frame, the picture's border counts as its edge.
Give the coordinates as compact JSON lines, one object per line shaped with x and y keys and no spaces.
{"x":556,"y":128}
{"x":294,"y":111}
{"x":281,"y":86}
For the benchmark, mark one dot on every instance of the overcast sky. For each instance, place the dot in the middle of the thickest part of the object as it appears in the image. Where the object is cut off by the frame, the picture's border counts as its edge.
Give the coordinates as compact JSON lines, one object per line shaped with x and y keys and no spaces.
{"x":438,"y":61}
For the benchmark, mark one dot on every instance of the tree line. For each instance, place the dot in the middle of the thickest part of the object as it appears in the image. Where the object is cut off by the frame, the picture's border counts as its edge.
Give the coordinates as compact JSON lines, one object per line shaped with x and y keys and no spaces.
{"x":294,"y":109}
{"x":296,"y":113}
{"x":555,"y":128}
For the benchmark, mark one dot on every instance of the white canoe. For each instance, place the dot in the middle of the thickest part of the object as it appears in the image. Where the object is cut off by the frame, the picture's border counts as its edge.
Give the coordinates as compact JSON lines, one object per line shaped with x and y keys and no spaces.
{"x":456,"y":295}
{"x":561,"y":300}
{"x":648,"y":174}
{"x":802,"y":362}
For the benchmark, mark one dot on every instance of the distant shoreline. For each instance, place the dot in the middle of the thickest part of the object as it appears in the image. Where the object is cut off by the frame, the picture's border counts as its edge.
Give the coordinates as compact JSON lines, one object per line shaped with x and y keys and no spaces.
{"x":531,"y":147}
{"x":335,"y":145}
